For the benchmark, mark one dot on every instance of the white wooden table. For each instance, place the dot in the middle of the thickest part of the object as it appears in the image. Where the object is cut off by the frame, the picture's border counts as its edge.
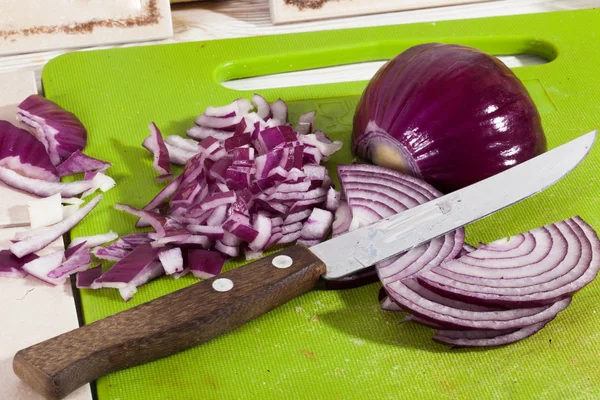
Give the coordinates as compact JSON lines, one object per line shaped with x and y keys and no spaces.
{"x":31,"y":311}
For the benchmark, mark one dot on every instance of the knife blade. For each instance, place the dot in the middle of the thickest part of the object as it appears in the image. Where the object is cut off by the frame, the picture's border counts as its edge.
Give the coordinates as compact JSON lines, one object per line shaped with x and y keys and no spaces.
{"x":212,"y":307}
{"x":366,"y":246}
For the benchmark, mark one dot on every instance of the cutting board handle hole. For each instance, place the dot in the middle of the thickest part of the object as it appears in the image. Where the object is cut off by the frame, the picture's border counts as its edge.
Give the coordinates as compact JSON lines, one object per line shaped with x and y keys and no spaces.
{"x":343,"y":73}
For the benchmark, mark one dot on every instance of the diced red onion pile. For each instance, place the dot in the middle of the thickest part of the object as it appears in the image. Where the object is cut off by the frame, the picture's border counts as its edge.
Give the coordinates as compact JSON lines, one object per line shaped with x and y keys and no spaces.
{"x":251,"y":182}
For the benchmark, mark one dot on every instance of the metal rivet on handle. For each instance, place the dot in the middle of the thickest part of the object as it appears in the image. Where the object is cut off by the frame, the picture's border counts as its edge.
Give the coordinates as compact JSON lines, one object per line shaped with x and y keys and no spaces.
{"x":222,"y":285}
{"x":282,"y":262}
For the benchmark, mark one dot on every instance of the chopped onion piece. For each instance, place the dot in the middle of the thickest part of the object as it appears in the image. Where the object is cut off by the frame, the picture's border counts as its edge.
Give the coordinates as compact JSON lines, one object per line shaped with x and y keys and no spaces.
{"x":171,"y":260}
{"x":110,"y":253}
{"x":134,"y":240}
{"x":213,"y":232}
{"x":201,"y":133}
{"x":11,"y":266}
{"x":156,"y":220}
{"x":263,"y":108}
{"x":137,"y":268}
{"x":262,"y":225}
{"x":38,"y":242}
{"x":238,"y":107}
{"x":103,"y":182}
{"x":79,"y":162}
{"x":59,"y":130}
{"x":21,"y":152}
{"x":45,"y":211}
{"x":86,"y":279}
{"x":326,"y":148}
{"x":161,"y":154}
{"x":280,"y":112}
{"x":231,"y":251}
{"x":176,"y":155}
{"x":43,"y":188}
{"x":178,"y":275}
{"x":305,"y":123}
{"x":252,"y":255}
{"x":95,"y":240}
{"x":72,"y":200}
{"x":67,"y":211}
{"x":318,"y":225}
{"x":40,"y":267}
{"x":333,"y":200}
{"x":205,"y":264}
{"x":79,"y":260}
{"x":190,"y":145}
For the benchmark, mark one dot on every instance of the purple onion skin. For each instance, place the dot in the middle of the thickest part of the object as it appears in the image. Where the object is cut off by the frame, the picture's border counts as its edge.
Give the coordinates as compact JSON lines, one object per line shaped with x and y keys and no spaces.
{"x":449,"y":114}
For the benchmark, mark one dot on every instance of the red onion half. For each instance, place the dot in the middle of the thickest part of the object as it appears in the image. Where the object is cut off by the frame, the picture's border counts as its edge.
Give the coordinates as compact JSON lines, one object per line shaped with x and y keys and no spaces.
{"x":432,"y":104}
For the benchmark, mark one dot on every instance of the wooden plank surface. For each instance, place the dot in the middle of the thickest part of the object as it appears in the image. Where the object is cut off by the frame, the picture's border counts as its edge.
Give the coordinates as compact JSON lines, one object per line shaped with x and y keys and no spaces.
{"x":35,"y":25}
{"x":284,"y":11}
{"x":30,"y":310}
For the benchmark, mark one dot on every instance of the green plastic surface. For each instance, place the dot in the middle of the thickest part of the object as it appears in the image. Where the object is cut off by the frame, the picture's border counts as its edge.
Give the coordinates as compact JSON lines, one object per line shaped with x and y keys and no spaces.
{"x":340,"y":344}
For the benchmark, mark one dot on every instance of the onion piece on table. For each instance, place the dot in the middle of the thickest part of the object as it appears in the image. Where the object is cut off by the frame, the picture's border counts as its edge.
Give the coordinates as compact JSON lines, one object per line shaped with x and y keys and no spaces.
{"x":78,"y":259}
{"x":43,"y":188}
{"x":45,"y":211}
{"x":21,"y":152}
{"x":59,"y":130}
{"x":50,"y":234}
{"x":40,"y":267}
{"x":11,"y":266}
{"x":67,"y":211}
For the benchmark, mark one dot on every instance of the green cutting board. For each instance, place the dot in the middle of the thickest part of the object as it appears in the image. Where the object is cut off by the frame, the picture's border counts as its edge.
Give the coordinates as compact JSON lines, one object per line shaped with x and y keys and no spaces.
{"x":340,"y":344}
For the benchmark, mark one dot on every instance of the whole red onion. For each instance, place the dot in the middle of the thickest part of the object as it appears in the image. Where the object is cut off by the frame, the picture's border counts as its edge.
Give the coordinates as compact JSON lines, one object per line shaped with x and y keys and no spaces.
{"x":449,"y":114}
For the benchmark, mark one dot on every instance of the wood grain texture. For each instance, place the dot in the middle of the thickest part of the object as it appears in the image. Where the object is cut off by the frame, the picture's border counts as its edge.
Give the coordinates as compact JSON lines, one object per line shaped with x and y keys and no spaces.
{"x":167,"y":325}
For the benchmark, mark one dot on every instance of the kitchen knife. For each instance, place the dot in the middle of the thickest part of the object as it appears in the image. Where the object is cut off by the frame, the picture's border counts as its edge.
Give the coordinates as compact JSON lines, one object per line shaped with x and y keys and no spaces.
{"x":205,"y":310}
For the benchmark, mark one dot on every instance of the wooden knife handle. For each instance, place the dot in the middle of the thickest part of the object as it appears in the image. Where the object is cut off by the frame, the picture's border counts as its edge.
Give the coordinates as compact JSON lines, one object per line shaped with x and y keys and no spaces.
{"x":168,"y":324}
